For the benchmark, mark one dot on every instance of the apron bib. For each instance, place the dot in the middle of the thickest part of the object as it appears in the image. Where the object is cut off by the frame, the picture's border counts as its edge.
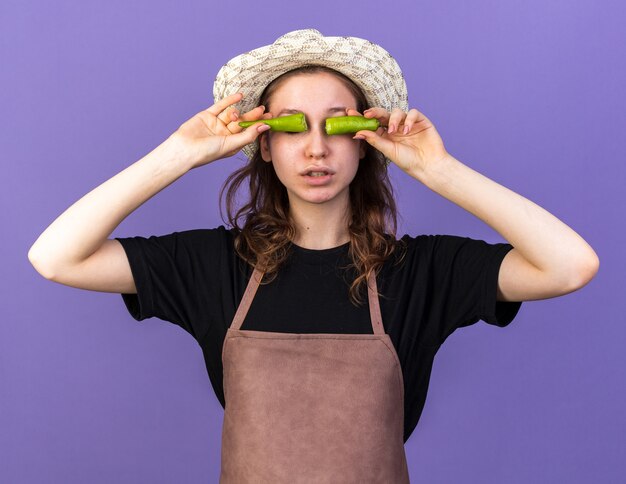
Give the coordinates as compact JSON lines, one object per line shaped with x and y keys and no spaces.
{"x":312,"y":408}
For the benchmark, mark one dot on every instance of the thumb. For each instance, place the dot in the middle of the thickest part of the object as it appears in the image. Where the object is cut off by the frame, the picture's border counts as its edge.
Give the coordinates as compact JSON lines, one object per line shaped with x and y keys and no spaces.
{"x":385,"y":146}
{"x":235,"y":142}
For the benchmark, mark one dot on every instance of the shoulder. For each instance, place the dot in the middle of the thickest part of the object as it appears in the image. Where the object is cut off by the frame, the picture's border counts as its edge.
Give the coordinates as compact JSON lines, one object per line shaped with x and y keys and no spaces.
{"x":206,"y":242}
{"x":205,"y":235}
{"x":425,"y":245}
{"x":424,"y":241}
{"x":442,"y":251}
{"x":192,"y":237}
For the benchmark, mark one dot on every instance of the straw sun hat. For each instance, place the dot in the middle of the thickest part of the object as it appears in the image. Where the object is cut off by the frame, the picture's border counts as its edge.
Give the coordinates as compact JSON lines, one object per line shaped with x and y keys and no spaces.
{"x":370,"y":67}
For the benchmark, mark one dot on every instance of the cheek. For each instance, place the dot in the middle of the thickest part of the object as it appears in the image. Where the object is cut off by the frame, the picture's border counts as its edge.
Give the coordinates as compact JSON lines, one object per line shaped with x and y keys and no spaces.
{"x":352,"y":150}
{"x":284,"y":167}
{"x":280,"y":172}
{"x":281,"y":146}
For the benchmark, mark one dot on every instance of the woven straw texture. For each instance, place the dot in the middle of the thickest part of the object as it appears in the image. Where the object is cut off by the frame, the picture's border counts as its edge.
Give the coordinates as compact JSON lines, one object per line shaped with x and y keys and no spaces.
{"x":370,"y":66}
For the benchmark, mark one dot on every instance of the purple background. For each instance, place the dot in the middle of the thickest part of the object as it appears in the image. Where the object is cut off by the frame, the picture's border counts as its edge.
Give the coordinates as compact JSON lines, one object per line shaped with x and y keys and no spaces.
{"x":529,"y":93}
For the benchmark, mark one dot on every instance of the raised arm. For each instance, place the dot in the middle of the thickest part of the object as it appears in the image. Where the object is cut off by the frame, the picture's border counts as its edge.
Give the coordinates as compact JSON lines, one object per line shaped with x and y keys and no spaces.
{"x":75,"y":250}
{"x":549,"y":259}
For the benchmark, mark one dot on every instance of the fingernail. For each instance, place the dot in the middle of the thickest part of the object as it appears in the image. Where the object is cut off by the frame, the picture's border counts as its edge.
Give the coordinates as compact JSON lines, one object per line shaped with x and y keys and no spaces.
{"x":406,"y":130}
{"x":358,"y":136}
{"x":263,"y":127}
{"x":391,"y":129}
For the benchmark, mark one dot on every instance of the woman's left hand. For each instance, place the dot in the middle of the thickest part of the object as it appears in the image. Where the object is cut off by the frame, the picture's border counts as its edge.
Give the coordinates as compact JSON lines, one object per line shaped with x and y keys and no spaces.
{"x":410,"y":140}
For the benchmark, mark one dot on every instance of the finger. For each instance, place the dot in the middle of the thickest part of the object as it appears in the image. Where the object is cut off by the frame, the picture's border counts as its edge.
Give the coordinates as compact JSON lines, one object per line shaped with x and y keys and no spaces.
{"x":352,"y":112}
{"x":234,"y":127}
{"x":379,"y":113}
{"x":381,"y":130}
{"x":385,"y":146}
{"x":415,"y":117}
{"x":253,"y":114}
{"x":222,"y":104}
{"x":395,"y":119}
{"x":229,"y":115}
{"x":411,"y":119}
{"x":237,"y":141}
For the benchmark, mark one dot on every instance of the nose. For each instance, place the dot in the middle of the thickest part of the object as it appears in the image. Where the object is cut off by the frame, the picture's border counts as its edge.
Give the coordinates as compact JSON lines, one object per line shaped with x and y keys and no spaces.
{"x":316,"y":143}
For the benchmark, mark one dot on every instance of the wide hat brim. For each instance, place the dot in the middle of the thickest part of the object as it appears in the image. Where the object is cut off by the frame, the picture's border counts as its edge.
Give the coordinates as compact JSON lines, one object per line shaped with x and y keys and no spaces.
{"x":370,"y":66}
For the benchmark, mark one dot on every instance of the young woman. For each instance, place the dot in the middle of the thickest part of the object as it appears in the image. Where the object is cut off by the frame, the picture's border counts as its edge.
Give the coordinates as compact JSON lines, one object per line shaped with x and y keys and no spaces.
{"x":318,"y":326}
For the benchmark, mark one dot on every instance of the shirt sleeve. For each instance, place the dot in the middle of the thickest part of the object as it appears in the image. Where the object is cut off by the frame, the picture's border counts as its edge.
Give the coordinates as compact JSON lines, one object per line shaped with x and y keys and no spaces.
{"x":465,"y":275}
{"x":172,"y":273}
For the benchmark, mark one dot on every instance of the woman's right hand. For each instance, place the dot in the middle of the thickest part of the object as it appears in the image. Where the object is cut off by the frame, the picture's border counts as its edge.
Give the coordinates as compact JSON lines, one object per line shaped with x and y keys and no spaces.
{"x":215,"y":132}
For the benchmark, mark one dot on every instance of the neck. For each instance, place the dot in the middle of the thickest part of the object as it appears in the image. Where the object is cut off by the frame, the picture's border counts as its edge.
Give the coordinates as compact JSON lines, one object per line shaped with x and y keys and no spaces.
{"x":319,"y":226}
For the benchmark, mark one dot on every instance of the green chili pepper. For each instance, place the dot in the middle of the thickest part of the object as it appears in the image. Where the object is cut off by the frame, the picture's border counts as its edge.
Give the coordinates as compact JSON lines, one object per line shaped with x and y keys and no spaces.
{"x":350,"y":124}
{"x":294,"y":123}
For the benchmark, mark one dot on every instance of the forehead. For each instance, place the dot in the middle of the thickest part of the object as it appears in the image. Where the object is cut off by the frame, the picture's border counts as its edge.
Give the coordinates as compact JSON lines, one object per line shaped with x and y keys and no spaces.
{"x":306,"y":89}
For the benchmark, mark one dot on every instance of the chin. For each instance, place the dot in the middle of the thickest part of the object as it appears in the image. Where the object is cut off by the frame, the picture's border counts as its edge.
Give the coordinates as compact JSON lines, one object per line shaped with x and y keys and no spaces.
{"x":317,"y":198}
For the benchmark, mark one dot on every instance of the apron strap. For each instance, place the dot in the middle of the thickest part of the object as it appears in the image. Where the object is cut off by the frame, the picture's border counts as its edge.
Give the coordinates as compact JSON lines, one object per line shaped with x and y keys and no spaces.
{"x":246,"y":300}
{"x":372,"y":295}
{"x":255,"y":280}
